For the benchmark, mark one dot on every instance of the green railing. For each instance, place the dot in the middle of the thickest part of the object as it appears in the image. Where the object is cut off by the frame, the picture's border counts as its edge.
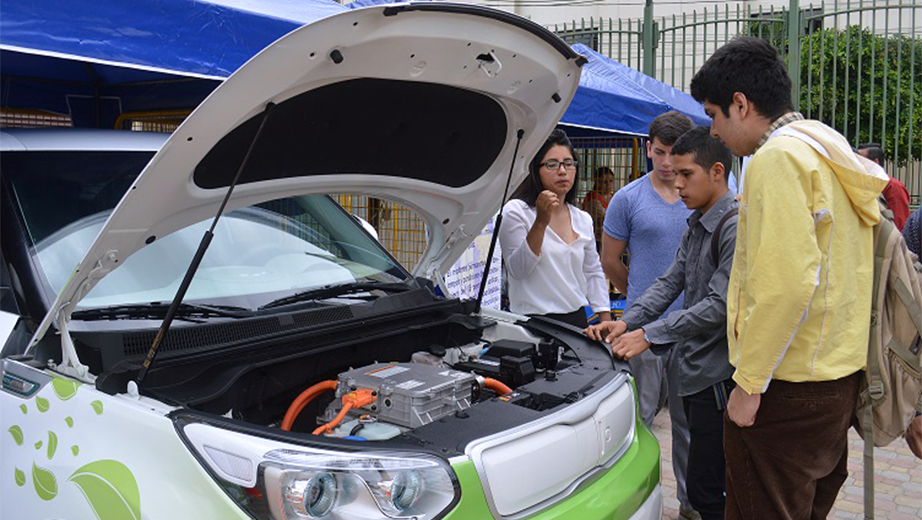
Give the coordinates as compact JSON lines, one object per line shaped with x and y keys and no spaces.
{"x":620,"y":40}
{"x":858,"y":63}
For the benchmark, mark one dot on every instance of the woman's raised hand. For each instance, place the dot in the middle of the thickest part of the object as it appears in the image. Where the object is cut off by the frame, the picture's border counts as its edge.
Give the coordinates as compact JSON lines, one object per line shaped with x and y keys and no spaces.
{"x":546,"y":204}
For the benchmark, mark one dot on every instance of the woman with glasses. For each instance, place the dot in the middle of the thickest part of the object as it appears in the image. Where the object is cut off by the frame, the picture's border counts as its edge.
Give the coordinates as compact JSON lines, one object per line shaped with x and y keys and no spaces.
{"x":548,"y":244}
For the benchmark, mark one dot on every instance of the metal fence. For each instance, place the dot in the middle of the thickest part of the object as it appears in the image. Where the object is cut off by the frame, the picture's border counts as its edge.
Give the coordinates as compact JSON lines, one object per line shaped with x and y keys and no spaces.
{"x":855,"y":64}
{"x":620,"y":159}
{"x":624,"y":156}
{"x":619,"y":39}
{"x":400,"y":229}
{"x":25,"y":118}
{"x":152,"y":121}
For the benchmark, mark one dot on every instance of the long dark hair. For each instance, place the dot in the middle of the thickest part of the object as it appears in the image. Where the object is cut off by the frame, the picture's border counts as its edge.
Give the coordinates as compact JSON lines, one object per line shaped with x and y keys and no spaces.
{"x":530,"y":188}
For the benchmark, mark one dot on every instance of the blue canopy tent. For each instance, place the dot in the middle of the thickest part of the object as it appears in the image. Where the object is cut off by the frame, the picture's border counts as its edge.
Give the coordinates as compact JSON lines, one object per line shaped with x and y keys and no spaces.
{"x":615,"y":99}
{"x":96,"y":60}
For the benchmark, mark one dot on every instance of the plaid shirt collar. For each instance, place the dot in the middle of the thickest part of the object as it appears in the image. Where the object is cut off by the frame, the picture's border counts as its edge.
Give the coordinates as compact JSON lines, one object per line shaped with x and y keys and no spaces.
{"x":787,"y":118}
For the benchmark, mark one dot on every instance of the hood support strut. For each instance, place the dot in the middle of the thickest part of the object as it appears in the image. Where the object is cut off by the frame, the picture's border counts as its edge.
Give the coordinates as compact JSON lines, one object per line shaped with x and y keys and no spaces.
{"x":199,"y":254}
{"x":499,"y":220}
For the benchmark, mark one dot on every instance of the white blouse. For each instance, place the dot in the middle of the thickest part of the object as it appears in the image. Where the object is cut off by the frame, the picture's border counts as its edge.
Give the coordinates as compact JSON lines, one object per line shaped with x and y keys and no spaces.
{"x":564,"y":277}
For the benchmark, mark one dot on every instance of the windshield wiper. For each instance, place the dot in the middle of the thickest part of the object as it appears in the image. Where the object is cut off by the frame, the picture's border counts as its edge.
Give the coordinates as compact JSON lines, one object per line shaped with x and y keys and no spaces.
{"x":329,"y":291}
{"x":158,"y":310}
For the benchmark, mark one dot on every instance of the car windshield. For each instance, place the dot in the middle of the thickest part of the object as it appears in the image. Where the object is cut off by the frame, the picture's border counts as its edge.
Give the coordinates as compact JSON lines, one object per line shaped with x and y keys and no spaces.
{"x":258,"y":255}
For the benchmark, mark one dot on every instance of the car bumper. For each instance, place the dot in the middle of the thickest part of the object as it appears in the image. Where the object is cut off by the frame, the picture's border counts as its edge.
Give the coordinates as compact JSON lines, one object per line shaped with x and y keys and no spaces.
{"x":629,"y":490}
{"x":652,"y":509}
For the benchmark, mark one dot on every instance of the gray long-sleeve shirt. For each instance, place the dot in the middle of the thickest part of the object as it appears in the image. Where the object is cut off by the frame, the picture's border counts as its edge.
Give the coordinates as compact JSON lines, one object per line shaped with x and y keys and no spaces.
{"x":696,"y":334}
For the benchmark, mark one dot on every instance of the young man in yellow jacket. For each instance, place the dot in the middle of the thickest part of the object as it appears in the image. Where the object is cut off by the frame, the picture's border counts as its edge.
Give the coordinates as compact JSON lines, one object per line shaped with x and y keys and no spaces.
{"x":799,"y":299}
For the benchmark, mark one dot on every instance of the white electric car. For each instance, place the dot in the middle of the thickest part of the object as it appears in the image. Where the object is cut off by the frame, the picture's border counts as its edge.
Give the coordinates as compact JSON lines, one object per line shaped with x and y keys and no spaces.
{"x":305,"y":374}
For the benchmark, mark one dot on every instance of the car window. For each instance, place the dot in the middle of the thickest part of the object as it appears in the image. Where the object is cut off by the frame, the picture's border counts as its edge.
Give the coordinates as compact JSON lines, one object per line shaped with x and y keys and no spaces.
{"x":258,"y":254}
{"x":53,"y":189}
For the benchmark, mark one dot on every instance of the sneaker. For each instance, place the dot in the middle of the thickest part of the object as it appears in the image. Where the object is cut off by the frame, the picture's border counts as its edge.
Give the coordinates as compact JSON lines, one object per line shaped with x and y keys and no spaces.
{"x":689,"y":514}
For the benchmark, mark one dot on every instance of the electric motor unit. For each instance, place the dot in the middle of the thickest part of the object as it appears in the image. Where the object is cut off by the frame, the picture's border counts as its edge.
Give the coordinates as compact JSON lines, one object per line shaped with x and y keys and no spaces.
{"x":408,"y":394}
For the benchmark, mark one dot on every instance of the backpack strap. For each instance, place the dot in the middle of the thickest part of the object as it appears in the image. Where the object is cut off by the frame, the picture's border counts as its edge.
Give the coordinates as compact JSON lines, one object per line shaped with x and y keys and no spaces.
{"x":715,"y":238}
{"x":915,"y":314}
{"x":875,"y":389}
{"x":875,"y":385}
{"x":885,"y":210}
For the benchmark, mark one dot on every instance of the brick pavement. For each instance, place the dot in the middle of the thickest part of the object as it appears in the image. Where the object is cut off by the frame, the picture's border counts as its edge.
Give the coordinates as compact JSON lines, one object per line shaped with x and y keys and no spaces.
{"x":898,"y":479}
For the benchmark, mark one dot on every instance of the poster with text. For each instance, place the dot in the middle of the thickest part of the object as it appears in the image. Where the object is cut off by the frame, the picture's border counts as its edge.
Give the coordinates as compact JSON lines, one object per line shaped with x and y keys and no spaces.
{"x":463,"y":279}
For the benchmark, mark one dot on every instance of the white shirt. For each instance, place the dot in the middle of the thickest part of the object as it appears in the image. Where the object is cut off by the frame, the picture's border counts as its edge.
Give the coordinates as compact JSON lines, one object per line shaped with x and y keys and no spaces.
{"x":560,"y":280}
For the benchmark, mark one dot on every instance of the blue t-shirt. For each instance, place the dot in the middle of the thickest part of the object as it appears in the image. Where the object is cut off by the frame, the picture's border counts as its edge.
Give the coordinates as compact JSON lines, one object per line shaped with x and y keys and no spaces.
{"x":653,"y":231}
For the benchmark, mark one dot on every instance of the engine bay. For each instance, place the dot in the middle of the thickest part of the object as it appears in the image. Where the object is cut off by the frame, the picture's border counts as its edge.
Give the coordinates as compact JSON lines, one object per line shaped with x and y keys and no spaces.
{"x":406,"y":368}
{"x":525,"y":370}
{"x":383,"y":400}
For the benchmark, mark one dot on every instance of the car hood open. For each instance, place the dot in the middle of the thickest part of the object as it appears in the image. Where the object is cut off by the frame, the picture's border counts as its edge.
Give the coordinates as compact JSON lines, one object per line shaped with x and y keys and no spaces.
{"x":416,"y":103}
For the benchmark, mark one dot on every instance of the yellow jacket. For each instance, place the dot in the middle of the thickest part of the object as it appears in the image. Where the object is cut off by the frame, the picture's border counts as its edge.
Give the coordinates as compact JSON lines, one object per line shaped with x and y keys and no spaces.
{"x":799,"y":300}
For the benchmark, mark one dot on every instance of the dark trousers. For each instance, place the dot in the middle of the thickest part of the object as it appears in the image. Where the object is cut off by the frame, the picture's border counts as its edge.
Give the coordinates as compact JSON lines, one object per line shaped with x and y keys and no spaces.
{"x":791,"y":463}
{"x":706,"y":468}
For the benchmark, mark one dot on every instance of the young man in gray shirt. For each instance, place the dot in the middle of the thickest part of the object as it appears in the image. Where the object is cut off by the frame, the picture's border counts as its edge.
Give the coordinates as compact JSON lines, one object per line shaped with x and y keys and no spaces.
{"x":696,"y":335}
{"x":647,"y":218}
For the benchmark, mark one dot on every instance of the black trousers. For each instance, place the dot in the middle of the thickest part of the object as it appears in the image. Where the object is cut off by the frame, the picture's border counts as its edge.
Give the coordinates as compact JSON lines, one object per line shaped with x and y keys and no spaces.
{"x":706,"y":473}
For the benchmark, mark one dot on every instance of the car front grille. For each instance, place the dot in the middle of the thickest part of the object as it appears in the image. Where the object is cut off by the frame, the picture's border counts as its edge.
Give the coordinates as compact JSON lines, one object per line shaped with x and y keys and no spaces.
{"x":535,"y":466}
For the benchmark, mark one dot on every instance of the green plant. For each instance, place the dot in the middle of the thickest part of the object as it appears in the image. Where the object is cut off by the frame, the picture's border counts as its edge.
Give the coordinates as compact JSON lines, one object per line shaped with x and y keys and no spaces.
{"x":856,"y":81}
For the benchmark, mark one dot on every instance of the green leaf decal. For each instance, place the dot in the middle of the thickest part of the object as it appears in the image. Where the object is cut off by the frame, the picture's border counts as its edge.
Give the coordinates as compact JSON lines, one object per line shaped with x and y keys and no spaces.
{"x":52,"y":444}
{"x":110,"y":488}
{"x":97,"y":405}
{"x":24,"y":409}
{"x":38,"y":445}
{"x":45,"y":484}
{"x":20,"y":477}
{"x":64,"y":388}
{"x":69,"y":421}
{"x":16,"y":431}
{"x":42,"y":404}
{"x":75,"y":450}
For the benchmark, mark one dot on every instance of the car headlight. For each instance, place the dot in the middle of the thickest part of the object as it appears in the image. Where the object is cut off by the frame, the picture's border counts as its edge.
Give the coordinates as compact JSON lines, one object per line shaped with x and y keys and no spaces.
{"x":274,"y":480}
{"x":404,"y":491}
{"x":310,"y":484}
{"x":312,"y":498}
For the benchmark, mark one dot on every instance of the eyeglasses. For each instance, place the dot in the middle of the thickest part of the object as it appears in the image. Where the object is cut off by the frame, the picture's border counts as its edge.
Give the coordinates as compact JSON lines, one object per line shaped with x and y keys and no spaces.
{"x":554,"y":164}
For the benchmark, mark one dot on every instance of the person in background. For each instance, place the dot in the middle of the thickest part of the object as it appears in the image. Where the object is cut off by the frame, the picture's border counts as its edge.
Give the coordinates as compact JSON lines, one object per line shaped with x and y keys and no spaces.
{"x":548,"y":244}
{"x":896,"y":194}
{"x":698,"y":332}
{"x":912,"y":232}
{"x":647,"y":218}
{"x":800,"y":288}
{"x":596,"y":201}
